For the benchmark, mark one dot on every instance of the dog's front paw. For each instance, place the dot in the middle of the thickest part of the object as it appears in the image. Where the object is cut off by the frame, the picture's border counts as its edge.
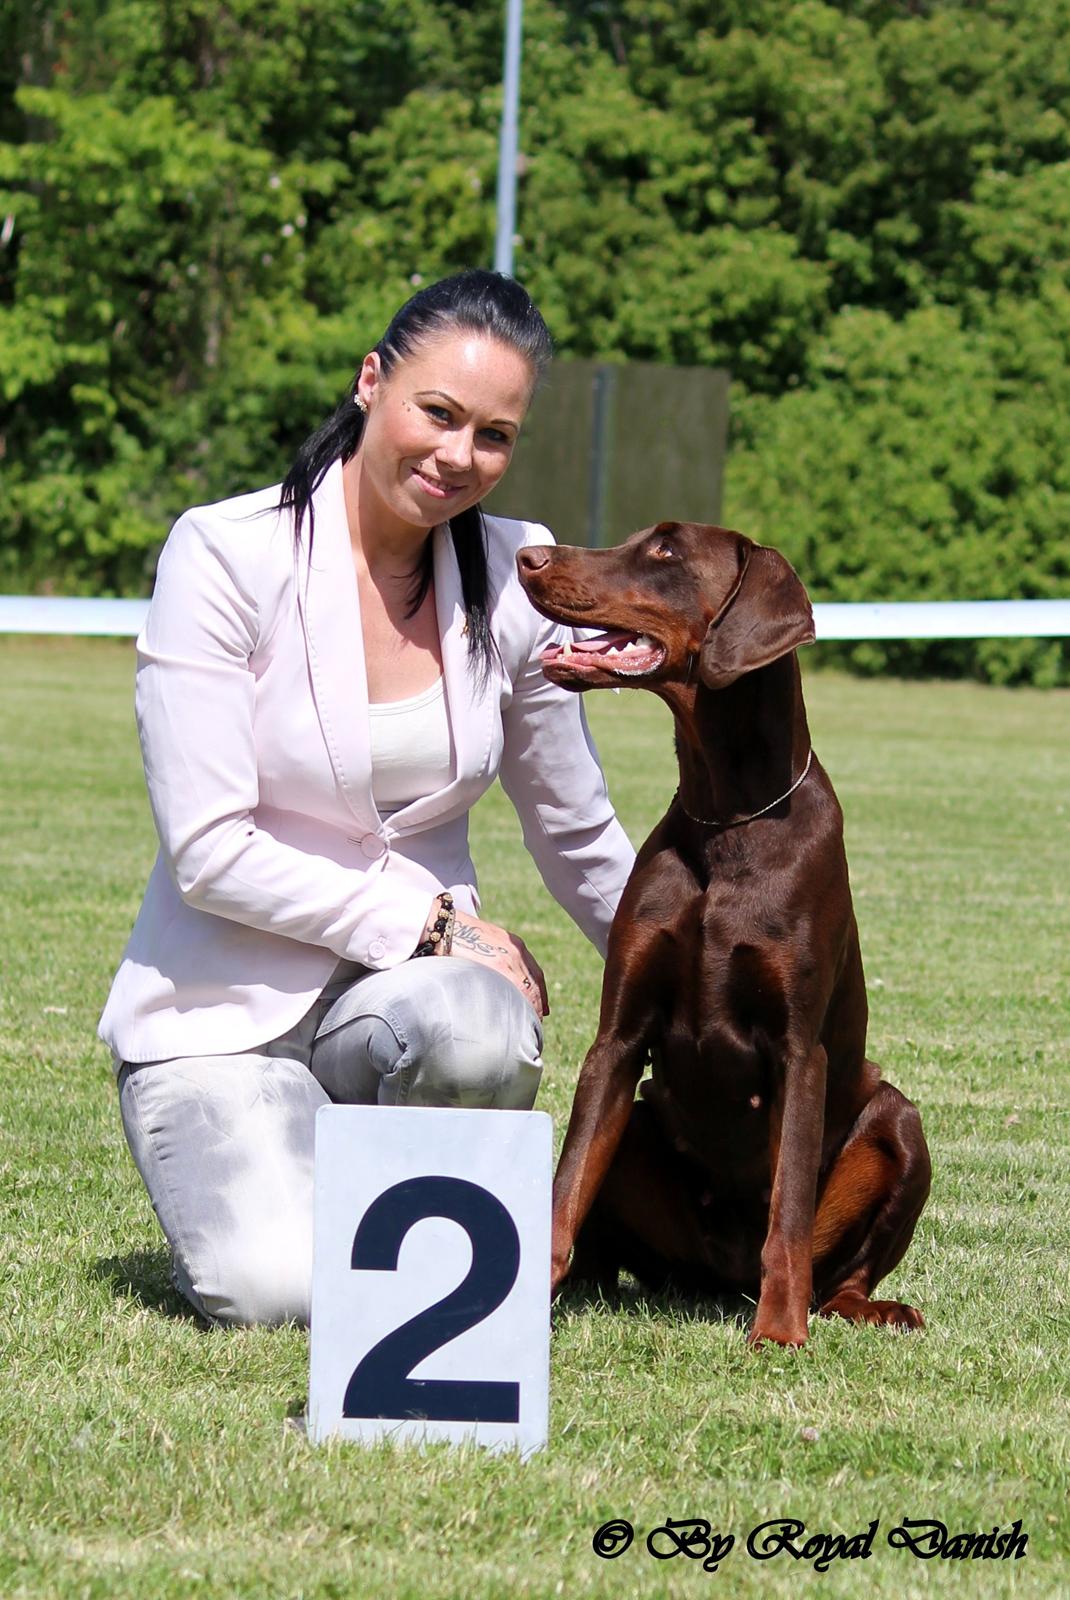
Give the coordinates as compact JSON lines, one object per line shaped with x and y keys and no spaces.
{"x":781,"y":1317}
{"x":559,"y":1269}
{"x":788,"y":1332}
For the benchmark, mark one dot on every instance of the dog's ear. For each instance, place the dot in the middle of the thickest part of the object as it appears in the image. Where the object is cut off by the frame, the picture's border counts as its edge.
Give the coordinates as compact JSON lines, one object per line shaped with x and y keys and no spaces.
{"x":770,"y":615}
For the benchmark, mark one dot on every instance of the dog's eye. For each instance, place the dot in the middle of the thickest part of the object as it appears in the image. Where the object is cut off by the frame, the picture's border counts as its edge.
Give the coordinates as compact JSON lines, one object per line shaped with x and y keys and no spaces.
{"x":662,"y":551}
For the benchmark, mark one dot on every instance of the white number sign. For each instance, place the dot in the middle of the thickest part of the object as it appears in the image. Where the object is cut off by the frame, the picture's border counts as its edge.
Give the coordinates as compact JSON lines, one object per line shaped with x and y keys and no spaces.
{"x":431,"y":1275}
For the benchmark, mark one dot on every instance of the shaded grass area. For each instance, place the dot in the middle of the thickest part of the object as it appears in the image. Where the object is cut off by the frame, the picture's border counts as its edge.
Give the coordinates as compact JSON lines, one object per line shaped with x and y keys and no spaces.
{"x":146,"y":1455}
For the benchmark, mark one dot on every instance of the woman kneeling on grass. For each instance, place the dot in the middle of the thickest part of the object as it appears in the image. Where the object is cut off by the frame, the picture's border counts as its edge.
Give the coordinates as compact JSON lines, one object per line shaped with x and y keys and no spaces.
{"x":327,"y":681}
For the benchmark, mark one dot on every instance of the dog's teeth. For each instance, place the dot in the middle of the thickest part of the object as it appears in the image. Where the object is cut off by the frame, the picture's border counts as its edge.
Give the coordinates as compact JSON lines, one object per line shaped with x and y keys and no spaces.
{"x":567,"y":651}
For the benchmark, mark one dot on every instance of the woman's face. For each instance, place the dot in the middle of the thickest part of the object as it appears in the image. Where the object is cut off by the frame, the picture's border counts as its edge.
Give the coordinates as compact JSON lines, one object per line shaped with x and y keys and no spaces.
{"x":440,"y":429}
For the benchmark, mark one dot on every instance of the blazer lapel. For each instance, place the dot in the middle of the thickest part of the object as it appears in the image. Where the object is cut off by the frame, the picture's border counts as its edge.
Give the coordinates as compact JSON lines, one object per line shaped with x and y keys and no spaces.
{"x":471,"y":708}
{"x":330,"y":615}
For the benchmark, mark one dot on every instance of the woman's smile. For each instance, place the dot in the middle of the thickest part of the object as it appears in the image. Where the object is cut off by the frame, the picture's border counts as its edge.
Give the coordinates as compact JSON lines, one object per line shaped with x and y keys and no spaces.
{"x":438,"y":488}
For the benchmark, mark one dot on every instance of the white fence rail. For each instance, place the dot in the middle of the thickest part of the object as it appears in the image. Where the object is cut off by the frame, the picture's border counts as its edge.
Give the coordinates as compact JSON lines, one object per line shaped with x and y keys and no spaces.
{"x":886,"y":619}
{"x":944,"y":619}
{"x":39,"y":614}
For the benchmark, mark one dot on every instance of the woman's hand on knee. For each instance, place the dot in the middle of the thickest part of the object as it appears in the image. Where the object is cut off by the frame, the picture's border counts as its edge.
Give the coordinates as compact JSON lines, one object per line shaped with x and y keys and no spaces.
{"x":501,"y":950}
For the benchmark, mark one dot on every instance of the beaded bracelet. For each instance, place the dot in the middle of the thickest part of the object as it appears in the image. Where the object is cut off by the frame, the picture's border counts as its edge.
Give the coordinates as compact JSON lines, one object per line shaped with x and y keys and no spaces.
{"x":439,"y":941}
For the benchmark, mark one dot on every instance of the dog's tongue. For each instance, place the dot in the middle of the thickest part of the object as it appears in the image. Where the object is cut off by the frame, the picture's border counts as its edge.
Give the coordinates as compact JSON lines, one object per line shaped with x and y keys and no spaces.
{"x":603,"y":642}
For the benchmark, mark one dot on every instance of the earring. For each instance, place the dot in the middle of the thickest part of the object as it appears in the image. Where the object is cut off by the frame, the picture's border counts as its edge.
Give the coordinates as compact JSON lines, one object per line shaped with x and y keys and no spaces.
{"x":358,"y":400}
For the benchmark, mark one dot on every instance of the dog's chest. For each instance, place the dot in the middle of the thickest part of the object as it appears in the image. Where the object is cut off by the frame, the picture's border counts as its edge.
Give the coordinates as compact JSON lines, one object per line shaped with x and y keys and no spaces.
{"x":737,"y":959}
{"x":719,"y":1046}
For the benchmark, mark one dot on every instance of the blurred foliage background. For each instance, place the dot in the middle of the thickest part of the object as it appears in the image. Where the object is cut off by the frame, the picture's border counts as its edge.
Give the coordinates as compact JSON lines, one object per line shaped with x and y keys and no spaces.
{"x":208,"y":213}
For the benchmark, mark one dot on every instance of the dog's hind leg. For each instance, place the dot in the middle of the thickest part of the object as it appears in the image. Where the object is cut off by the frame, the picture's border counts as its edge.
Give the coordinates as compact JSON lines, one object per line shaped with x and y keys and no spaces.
{"x":867,"y":1211}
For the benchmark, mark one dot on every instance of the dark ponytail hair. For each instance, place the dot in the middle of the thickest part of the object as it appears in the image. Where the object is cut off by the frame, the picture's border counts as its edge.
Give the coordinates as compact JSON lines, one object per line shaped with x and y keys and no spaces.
{"x":475,"y":301}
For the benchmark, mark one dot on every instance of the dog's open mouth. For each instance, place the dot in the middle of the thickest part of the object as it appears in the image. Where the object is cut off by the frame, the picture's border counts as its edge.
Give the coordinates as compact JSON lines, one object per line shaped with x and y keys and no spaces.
{"x":625,"y":655}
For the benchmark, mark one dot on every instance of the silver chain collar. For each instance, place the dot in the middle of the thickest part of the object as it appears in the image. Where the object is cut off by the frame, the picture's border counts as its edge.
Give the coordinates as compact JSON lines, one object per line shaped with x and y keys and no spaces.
{"x":713,"y":822}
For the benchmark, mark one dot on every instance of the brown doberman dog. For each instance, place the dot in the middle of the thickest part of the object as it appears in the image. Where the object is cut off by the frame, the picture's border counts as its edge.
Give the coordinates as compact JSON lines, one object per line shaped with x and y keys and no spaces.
{"x":765,"y":1155}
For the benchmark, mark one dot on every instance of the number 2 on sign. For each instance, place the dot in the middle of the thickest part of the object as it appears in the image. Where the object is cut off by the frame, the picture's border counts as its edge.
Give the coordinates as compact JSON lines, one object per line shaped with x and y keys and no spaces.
{"x":380,"y":1385}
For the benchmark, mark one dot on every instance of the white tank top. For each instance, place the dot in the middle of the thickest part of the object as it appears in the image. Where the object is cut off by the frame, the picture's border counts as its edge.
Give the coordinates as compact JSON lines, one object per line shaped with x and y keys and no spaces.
{"x":412,"y":749}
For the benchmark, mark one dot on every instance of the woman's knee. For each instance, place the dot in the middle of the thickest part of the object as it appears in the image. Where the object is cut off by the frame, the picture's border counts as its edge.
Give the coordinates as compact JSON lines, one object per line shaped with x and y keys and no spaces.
{"x":225,"y":1147}
{"x":479,"y":1047}
{"x":251,"y":1281}
{"x":442,"y":1032}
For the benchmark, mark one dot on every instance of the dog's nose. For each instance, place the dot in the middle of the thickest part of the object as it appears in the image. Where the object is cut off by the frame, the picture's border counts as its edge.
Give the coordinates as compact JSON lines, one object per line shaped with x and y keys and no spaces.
{"x":532,"y":558}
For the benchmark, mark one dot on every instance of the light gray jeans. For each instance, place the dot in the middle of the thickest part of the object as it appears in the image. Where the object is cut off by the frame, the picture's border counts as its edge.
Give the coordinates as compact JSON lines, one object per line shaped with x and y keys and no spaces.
{"x":224,"y":1143}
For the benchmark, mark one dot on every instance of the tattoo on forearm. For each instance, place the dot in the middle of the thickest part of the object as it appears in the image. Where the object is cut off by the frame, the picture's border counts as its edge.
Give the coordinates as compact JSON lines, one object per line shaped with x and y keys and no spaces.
{"x":462,"y":934}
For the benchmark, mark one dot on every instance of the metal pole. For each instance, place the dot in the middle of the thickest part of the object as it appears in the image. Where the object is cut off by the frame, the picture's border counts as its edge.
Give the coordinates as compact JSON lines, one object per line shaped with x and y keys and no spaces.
{"x":507,"y":149}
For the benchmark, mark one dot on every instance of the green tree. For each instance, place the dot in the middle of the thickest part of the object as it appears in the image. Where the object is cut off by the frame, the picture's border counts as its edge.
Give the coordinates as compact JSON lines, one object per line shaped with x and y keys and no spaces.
{"x":861,"y":208}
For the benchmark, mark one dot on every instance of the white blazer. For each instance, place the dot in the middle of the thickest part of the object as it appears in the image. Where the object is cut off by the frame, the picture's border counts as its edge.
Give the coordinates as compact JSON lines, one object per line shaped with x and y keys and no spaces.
{"x":252,"y":708}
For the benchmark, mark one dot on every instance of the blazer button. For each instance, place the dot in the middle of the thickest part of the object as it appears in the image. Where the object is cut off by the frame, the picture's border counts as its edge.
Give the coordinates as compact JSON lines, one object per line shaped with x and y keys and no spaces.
{"x":372,"y":846}
{"x":376,"y":950}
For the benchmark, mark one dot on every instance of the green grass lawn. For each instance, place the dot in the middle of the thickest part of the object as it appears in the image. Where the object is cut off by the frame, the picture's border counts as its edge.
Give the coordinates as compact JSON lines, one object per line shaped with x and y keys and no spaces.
{"x":146,"y":1456}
